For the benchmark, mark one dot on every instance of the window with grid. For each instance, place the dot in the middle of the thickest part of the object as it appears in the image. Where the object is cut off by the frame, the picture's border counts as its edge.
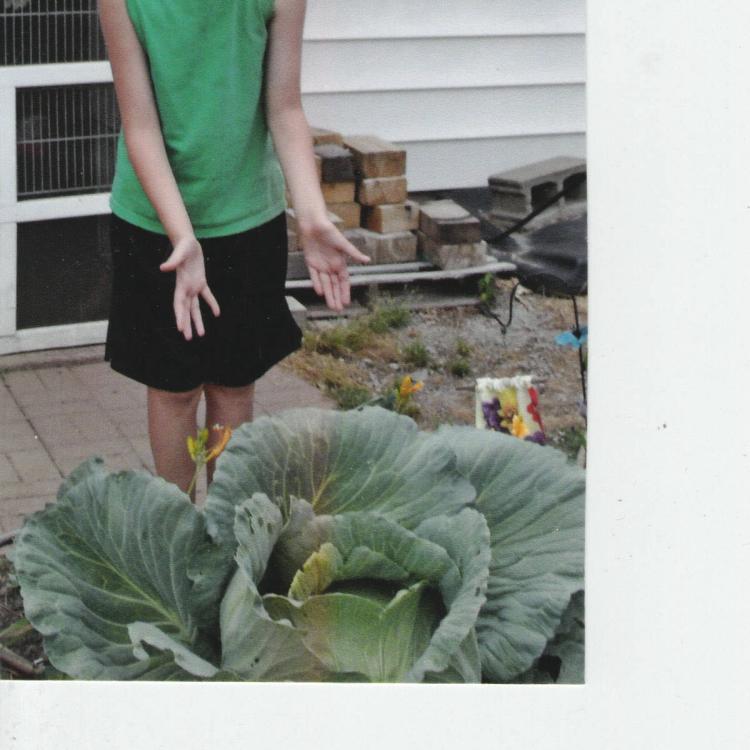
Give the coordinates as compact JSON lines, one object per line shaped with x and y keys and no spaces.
{"x":33,"y":32}
{"x":66,"y":139}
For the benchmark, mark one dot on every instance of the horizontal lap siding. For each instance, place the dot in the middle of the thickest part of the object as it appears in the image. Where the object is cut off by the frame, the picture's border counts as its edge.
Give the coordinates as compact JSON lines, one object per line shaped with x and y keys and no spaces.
{"x":496,"y":84}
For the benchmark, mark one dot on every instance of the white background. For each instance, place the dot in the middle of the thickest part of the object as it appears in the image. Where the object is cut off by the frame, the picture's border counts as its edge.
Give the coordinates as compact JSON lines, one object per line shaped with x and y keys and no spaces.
{"x":668,"y":528}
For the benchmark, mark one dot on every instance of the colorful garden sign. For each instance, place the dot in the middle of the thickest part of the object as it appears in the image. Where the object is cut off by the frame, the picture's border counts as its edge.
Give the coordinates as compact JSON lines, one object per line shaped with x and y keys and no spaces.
{"x":509,"y":405}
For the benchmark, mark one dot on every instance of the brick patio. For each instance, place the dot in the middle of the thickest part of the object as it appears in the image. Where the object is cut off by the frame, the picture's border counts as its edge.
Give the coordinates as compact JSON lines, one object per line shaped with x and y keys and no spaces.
{"x":54,"y":414}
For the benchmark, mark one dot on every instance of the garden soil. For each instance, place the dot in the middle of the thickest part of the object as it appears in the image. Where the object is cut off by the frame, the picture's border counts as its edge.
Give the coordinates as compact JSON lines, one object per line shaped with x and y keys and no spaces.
{"x":526,"y":348}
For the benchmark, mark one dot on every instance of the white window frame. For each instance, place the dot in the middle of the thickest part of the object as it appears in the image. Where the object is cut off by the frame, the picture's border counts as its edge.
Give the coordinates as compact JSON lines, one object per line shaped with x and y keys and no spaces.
{"x":14,"y":212}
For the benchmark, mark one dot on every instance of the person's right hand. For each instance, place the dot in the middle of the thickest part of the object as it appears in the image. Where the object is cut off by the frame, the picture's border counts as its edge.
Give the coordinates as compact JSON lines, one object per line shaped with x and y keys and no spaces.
{"x":187,"y":260}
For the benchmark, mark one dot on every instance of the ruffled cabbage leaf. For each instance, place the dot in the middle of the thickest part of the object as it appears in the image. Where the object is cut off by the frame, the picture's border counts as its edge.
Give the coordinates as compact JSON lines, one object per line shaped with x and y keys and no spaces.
{"x":533,"y":500}
{"x":114,"y":551}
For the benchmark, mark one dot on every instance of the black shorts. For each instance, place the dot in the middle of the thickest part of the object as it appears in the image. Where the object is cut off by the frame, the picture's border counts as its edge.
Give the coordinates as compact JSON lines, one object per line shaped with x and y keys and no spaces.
{"x":246,"y":273}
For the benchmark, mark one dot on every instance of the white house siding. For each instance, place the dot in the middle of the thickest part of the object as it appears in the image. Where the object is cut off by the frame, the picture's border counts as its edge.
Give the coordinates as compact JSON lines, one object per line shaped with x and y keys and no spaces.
{"x":468,"y":88}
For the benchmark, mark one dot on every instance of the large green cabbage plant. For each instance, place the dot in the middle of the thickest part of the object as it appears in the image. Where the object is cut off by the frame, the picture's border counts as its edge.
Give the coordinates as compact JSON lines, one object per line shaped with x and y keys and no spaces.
{"x":333,"y":546}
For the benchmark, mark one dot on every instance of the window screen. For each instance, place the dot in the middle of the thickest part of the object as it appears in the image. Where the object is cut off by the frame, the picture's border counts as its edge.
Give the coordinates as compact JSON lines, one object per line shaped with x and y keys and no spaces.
{"x":49,"y":31}
{"x":66,"y":139}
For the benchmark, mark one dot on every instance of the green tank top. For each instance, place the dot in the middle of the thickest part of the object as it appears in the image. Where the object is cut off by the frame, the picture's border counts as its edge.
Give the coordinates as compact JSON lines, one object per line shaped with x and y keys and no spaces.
{"x":206,"y":65}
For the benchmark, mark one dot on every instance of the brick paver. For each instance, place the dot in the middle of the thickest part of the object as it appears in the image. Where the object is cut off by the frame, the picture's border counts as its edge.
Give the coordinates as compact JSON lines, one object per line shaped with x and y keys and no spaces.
{"x":55,"y":415}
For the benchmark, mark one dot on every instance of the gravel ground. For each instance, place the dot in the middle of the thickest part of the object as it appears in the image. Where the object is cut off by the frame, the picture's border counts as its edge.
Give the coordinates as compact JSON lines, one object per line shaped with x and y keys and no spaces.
{"x":528,"y":347}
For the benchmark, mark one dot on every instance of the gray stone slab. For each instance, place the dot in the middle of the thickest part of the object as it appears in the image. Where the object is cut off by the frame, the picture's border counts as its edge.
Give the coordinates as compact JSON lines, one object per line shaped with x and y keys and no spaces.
{"x":522,"y":178}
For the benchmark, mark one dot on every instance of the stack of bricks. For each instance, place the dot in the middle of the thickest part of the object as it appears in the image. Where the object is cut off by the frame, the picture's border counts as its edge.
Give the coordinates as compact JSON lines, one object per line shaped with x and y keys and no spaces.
{"x":450,"y":237}
{"x":337,"y":176}
{"x":389,"y":219}
{"x":363,"y":181}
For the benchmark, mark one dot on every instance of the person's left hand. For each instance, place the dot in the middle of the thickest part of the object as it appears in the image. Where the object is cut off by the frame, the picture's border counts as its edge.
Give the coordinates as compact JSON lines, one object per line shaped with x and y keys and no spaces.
{"x":325,"y":250}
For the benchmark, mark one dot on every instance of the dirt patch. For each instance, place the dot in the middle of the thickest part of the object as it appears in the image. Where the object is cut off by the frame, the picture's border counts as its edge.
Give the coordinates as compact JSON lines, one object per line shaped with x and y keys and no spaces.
{"x":448,"y":348}
{"x":16,"y":635}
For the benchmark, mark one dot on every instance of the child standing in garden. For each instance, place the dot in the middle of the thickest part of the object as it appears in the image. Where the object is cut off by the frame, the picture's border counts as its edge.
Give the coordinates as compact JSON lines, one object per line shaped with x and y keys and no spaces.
{"x":213,"y":131}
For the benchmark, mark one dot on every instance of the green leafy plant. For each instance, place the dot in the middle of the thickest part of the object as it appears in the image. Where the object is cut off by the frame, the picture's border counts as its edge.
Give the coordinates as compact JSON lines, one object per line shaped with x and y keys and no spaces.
{"x":350,"y":396}
{"x":486,"y":287}
{"x":415,"y":353}
{"x":458,"y":366}
{"x":333,"y":546}
{"x":399,"y":397}
{"x":339,"y":340}
{"x":463,"y":347}
{"x":385,"y":313}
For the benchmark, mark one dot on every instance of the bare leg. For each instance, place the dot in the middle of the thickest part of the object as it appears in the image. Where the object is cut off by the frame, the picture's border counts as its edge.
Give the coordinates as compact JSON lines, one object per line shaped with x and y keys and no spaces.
{"x":171,"y":418}
{"x":226,"y":406}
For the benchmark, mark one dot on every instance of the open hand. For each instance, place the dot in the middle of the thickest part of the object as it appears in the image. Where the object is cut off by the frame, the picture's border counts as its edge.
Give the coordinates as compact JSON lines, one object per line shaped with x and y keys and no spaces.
{"x":187,"y":260}
{"x":325,"y":250}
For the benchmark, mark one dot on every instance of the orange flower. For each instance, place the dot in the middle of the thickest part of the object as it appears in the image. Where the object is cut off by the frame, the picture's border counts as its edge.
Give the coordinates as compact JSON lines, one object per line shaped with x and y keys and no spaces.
{"x":407,"y":387}
{"x":197,"y":449}
{"x":226,"y":433}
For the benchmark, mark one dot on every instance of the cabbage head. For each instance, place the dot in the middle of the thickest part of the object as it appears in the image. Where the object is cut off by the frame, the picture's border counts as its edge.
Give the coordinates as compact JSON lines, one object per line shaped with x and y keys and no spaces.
{"x":333,"y":546}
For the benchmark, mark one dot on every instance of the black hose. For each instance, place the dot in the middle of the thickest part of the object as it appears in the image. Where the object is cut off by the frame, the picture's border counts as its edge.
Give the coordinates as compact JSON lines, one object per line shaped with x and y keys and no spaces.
{"x":539,"y":209}
{"x":504,"y":325}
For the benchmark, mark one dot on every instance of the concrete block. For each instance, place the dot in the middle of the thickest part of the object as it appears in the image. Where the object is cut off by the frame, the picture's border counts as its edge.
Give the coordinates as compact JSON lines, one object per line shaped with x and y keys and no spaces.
{"x":349,"y":213}
{"x":517,"y":192}
{"x":393,"y":217}
{"x":338,"y":192}
{"x":337,"y":163}
{"x":378,"y":190}
{"x":375,"y":157}
{"x":393,"y":247}
{"x":453,"y":257}
{"x":321,"y":136}
{"x":448,"y":223}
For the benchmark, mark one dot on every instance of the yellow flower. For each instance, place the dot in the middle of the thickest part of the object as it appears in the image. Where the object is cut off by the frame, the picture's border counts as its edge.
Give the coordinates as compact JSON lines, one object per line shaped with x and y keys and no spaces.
{"x":519,"y":428}
{"x":407,"y":387}
{"x":192,"y":447}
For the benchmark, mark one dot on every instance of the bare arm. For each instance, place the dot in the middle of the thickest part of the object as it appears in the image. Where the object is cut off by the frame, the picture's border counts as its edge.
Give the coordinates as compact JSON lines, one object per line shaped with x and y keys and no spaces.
{"x":325,"y":247}
{"x":147,"y":154}
{"x":140,"y":120}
